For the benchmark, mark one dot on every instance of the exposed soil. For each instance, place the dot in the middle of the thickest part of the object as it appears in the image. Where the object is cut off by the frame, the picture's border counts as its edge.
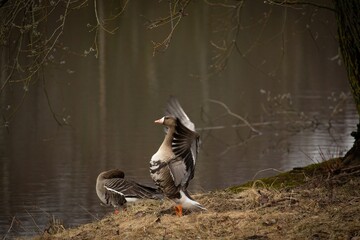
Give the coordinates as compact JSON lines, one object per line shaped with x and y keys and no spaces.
{"x":318,"y":202}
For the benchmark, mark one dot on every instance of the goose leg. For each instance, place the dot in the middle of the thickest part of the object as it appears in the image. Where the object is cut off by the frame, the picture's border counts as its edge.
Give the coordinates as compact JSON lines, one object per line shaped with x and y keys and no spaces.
{"x":178,"y":210}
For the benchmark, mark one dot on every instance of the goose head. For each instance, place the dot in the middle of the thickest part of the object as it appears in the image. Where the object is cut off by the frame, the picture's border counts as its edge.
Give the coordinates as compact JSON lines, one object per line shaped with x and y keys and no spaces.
{"x":168,"y":121}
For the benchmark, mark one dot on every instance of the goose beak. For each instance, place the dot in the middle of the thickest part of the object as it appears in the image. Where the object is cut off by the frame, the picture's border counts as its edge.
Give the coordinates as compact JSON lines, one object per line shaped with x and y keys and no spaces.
{"x":160,"y":121}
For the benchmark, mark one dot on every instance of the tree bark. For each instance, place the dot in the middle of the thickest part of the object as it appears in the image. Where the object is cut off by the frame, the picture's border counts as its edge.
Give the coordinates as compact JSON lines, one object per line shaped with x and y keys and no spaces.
{"x":348,"y":15}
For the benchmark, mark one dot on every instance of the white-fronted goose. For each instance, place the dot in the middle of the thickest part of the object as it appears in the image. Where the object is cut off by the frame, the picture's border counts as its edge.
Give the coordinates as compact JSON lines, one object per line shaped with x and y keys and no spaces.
{"x":113,"y":189}
{"x":172,"y":166}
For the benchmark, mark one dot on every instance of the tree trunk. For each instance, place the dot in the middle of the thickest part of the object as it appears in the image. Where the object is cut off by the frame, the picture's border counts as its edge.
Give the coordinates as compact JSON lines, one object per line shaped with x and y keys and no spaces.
{"x":348,"y":15}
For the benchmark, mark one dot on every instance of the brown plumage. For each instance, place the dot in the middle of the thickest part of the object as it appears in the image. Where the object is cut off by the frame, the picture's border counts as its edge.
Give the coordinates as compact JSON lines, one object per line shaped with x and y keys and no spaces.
{"x":173,"y":165}
{"x":113,"y":189}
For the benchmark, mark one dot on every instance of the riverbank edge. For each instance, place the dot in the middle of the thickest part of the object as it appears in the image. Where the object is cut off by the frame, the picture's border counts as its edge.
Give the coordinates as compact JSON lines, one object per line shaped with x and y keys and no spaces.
{"x":319,"y":201}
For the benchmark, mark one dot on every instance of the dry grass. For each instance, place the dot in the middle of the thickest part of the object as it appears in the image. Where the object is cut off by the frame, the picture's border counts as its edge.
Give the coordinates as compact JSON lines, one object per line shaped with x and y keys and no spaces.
{"x":322,"y":207}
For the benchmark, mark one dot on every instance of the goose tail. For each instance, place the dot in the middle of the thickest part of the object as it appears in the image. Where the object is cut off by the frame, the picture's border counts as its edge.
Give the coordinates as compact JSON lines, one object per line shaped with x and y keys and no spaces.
{"x":188,"y":203}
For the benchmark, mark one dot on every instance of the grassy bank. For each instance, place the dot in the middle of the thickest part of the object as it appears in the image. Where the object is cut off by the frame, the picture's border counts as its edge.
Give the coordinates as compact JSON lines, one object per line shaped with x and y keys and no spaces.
{"x":321,"y":201}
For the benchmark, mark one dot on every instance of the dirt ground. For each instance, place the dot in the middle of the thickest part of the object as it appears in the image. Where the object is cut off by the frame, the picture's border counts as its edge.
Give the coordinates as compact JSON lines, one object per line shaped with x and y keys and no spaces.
{"x":323,"y":202}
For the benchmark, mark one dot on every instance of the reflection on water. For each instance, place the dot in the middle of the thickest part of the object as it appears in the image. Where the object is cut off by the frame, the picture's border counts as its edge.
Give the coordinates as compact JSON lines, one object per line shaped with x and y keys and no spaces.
{"x":111,"y":102}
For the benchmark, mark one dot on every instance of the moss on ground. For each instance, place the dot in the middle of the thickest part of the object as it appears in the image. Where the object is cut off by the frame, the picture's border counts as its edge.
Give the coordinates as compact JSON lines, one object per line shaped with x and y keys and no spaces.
{"x":296,"y":177}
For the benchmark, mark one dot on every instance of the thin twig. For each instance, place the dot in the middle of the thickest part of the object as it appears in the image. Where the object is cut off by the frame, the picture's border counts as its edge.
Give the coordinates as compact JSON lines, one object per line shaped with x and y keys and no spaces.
{"x":49,"y":103}
{"x":238,"y":125}
{"x":175,"y":16}
{"x":219,"y":4}
{"x":99,"y":22}
{"x":285,"y":3}
{"x":33,"y":220}
{"x":11,"y":225}
{"x":119,"y":13}
{"x":88,"y":212}
{"x":237,"y":145}
{"x":235,"y":115}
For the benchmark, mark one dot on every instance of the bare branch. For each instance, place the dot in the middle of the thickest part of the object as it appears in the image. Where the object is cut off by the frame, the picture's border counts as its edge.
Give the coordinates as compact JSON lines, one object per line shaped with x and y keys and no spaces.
{"x":295,"y":2}
{"x":219,"y":4}
{"x":99,"y":22}
{"x":176,"y":13}
{"x":49,"y":103}
{"x":235,"y":115}
{"x":30,"y":34}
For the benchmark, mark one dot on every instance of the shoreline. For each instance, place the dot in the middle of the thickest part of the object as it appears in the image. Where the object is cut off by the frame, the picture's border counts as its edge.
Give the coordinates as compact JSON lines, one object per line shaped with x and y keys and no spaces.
{"x":319,"y":201}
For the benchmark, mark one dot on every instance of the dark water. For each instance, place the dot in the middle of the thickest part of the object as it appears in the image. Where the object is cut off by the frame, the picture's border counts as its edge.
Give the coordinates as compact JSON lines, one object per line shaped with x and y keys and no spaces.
{"x":290,"y":87}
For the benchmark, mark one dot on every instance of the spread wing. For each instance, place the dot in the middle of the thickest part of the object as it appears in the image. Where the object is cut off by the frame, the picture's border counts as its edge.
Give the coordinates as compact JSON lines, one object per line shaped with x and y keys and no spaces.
{"x":174,"y":108}
{"x":185,"y":144}
{"x":130,"y":189}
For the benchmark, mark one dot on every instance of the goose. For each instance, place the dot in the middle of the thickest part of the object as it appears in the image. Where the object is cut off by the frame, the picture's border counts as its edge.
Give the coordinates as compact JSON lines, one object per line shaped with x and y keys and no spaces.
{"x":113,"y":189}
{"x":173,"y":165}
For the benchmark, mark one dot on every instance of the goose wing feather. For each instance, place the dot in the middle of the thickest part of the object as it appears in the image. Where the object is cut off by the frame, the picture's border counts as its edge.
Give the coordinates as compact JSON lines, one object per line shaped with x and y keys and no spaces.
{"x":178,"y":172}
{"x":185,"y":143}
{"x":174,"y":108}
{"x":129,"y":188}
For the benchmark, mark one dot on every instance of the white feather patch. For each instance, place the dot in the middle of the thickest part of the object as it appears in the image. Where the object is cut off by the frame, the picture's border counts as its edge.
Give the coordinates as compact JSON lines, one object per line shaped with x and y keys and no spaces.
{"x":113,"y":190}
{"x":187,"y":203}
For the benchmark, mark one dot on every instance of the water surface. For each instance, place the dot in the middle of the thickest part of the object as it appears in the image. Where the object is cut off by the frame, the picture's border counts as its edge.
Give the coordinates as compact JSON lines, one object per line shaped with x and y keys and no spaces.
{"x":112,"y":101}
